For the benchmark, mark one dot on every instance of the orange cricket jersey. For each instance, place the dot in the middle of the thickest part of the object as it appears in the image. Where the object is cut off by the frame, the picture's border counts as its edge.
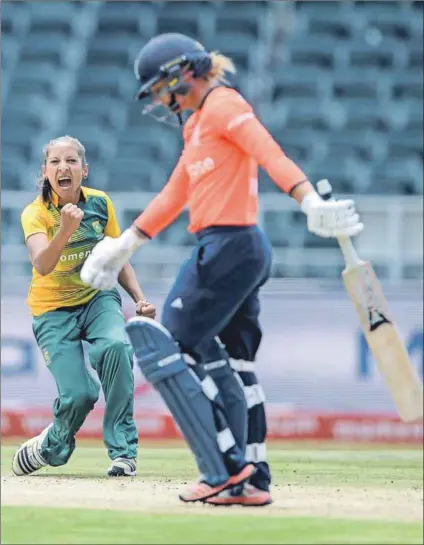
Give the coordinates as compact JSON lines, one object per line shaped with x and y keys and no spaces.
{"x":217,"y":174}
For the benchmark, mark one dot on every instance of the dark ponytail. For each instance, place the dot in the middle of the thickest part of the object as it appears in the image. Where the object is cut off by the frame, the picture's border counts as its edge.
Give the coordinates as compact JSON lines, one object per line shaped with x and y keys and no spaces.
{"x":46,"y":190}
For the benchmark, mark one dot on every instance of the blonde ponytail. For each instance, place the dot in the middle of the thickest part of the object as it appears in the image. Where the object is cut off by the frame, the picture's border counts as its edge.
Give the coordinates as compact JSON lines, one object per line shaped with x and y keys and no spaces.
{"x":220,"y":66}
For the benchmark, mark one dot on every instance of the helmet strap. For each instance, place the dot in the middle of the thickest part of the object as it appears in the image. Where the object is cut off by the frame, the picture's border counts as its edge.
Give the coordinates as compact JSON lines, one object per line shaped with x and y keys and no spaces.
{"x":173,"y":104}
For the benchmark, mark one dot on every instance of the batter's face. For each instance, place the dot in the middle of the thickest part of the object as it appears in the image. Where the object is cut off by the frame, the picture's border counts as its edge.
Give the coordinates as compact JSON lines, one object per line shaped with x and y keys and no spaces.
{"x":162,"y":96}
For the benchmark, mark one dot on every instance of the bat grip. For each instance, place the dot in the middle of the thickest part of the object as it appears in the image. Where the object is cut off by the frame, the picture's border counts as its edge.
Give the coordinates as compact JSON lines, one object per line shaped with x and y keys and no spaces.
{"x":348,"y":250}
{"x":351,"y":258}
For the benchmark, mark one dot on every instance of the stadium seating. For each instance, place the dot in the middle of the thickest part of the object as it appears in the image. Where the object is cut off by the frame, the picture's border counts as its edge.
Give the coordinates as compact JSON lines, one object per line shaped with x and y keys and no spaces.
{"x":339,"y":85}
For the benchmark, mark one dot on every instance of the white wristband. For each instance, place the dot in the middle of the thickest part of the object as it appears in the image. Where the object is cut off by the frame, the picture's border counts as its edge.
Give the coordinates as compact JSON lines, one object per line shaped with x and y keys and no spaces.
{"x":309,"y":200}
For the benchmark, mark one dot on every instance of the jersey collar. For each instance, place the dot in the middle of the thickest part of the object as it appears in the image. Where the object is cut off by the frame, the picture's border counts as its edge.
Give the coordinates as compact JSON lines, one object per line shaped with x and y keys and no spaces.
{"x":55,"y":197}
{"x":208,"y":92}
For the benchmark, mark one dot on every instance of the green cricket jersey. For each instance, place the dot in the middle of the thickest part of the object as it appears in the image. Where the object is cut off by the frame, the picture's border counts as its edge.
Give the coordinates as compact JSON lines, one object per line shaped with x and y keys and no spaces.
{"x":63,"y":287}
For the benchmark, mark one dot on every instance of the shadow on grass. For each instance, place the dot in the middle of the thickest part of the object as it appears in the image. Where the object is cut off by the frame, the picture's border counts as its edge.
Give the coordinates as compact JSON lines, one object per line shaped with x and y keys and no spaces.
{"x":73,"y":476}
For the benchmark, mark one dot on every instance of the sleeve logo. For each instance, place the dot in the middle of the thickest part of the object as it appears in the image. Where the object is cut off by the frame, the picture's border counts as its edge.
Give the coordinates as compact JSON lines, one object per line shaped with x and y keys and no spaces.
{"x":97,"y":227}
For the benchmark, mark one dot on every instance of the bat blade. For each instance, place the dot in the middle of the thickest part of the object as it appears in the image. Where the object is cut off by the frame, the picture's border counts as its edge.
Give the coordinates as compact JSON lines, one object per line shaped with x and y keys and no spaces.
{"x":385,"y":341}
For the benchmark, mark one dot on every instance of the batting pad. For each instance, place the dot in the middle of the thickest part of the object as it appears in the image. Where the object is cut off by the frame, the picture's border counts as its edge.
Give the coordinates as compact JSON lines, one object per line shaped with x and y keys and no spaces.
{"x":234,"y":400}
{"x":214,"y":362}
{"x":161,"y":362}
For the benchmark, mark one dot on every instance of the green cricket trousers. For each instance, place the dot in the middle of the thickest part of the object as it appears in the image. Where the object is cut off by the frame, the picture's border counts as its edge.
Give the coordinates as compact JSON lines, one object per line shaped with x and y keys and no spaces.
{"x":59,"y":334}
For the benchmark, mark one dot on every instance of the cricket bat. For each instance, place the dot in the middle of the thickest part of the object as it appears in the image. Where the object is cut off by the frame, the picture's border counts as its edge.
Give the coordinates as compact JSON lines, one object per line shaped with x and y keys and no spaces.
{"x":379,"y":329}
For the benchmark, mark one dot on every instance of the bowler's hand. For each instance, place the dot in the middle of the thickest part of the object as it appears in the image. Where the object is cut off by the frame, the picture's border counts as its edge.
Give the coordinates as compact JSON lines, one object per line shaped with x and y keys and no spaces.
{"x":144,"y":308}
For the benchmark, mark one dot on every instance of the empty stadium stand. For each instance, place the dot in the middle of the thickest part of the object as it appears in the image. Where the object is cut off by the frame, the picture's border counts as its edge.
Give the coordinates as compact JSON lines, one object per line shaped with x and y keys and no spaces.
{"x":338,"y":84}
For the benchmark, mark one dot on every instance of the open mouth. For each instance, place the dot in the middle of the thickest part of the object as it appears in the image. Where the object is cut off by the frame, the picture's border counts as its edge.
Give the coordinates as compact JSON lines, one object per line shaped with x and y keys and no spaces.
{"x":65,"y":183}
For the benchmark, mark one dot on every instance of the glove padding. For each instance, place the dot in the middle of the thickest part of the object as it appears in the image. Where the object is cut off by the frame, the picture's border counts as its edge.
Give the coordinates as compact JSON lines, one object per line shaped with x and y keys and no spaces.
{"x":333,"y":218}
{"x":103,"y":265}
{"x":104,"y":279}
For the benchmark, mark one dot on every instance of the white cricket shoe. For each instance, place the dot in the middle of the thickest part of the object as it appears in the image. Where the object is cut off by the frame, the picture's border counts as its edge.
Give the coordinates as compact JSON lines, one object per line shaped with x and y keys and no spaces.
{"x":27,"y":458}
{"x":123,"y":467}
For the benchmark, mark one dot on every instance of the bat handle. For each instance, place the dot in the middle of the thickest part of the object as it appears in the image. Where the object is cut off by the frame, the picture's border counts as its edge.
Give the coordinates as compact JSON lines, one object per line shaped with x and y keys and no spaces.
{"x":351,"y":258}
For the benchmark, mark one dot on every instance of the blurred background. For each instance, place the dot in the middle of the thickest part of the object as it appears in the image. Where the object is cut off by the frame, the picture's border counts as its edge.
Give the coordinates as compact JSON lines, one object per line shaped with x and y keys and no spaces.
{"x":338,"y":84}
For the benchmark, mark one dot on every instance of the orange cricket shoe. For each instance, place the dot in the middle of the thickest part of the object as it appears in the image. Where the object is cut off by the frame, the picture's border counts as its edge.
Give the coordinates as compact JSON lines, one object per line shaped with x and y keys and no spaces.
{"x":202,"y":491}
{"x":249,"y":496}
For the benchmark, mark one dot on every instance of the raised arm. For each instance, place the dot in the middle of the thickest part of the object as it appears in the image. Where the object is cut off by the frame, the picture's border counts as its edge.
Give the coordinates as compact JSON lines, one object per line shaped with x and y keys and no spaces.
{"x":45,"y":255}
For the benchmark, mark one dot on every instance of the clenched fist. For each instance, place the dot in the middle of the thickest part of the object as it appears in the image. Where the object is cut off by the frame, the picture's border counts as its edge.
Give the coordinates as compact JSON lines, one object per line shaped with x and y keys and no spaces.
{"x":144,"y":308}
{"x":70,"y":218}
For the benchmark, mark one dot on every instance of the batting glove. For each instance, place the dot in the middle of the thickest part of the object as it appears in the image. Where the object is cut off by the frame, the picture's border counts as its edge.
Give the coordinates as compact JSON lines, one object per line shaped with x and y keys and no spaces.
{"x":331,"y":219}
{"x":103,"y":265}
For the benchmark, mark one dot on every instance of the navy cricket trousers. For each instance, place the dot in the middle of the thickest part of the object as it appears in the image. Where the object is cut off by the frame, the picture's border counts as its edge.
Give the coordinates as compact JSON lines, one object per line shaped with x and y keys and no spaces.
{"x":216,"y":291}
{"x":216,"y":294}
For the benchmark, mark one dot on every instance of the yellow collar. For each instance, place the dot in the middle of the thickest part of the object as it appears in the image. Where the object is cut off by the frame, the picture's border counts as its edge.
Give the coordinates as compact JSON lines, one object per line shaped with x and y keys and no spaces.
{"x":55,"y":198}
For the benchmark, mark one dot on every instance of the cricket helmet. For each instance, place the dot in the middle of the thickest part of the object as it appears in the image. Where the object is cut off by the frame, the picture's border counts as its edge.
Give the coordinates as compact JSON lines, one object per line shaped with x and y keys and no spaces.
{"x":167,"y":58}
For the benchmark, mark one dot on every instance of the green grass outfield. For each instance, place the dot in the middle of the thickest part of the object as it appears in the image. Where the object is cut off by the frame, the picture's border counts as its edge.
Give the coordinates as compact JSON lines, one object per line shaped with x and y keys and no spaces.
{"x":323,"y":494}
